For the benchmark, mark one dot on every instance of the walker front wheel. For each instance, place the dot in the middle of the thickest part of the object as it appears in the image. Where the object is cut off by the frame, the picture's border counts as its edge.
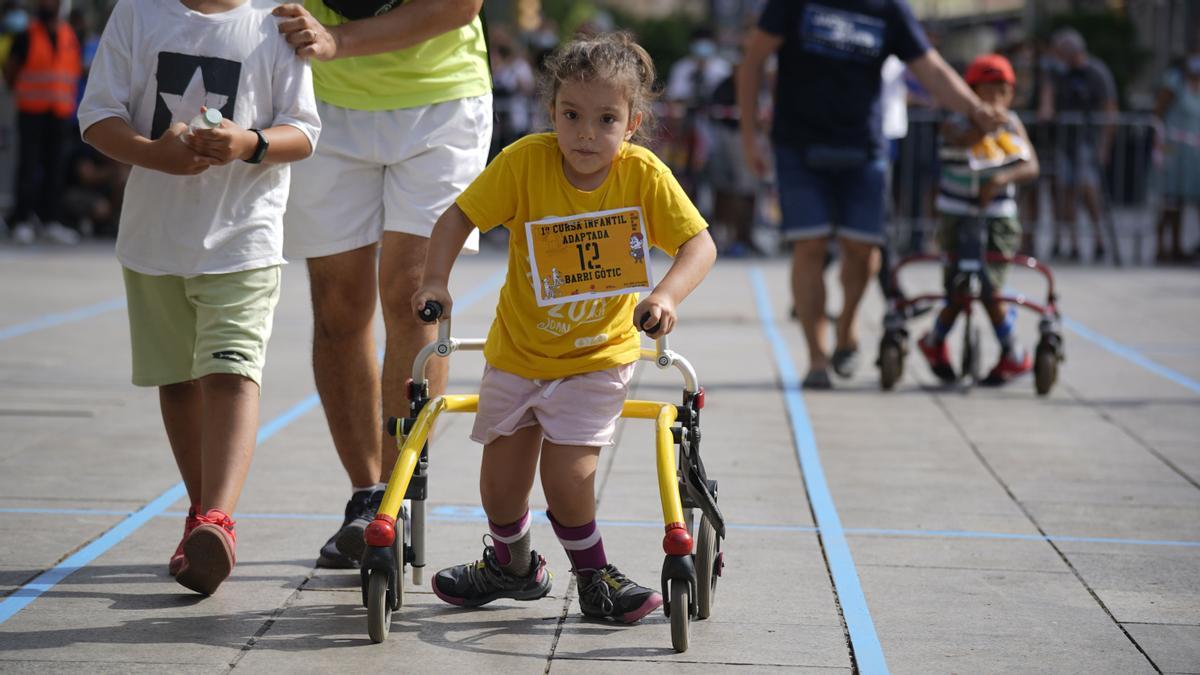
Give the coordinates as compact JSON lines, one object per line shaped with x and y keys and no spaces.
{"x":680,"y":615}
{"x":891,"y":364}
{"x":379,"y":608}
{"x":1045,"y":368}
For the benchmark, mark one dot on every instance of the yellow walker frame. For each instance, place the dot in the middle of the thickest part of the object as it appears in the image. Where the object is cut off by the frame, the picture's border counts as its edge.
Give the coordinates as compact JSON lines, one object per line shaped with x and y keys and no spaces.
{"x":689,"y":574}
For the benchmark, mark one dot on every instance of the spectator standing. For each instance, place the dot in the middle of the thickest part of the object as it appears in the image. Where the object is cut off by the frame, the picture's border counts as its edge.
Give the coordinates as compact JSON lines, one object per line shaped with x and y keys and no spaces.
{"x":1178,"y":107}
{"x":689,"y":90}
{"x":830,"y":153}
{"x":406,"y":108}
{"x":513,"y":89}
{"x":1081,"y":99}
{"x":43,"y":70}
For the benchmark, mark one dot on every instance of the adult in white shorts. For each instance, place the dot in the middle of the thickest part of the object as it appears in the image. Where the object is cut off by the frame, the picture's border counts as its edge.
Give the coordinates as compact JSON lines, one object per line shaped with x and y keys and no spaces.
{"x":405,"y":99}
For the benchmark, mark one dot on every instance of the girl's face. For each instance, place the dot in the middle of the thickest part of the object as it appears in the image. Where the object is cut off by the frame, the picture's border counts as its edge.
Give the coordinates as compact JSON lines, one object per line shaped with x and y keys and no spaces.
{"x":592,"y":121}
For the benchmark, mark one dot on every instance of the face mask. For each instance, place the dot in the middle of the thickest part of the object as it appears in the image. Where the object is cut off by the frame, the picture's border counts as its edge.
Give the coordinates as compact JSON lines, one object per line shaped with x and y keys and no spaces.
{"x":703,"y":49}
{"x":1193,"y":65}
{"x":16,"y":21}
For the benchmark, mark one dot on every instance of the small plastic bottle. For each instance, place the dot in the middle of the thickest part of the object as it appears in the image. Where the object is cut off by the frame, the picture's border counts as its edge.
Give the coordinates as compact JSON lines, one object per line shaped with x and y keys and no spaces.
{"x":209,"y":119}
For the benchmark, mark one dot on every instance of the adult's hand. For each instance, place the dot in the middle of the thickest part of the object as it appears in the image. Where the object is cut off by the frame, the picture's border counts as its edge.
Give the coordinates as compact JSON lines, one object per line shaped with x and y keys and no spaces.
{"x":988,"y":118}
{"x":305,"y":34}
{"x":752,"y":150}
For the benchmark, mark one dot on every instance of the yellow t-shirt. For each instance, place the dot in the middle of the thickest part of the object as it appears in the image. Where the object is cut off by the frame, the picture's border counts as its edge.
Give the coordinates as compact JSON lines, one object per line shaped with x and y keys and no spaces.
{"x":448,"y":67}
{"x":526,"y":183}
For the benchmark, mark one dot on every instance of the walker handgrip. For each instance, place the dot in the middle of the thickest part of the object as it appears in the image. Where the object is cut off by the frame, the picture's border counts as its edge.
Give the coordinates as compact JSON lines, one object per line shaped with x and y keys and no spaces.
{"x":432,"y":311}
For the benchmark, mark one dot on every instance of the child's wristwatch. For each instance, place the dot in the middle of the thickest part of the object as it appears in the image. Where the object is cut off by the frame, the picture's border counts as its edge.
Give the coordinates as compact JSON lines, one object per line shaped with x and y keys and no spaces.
{"x":260,"y":150}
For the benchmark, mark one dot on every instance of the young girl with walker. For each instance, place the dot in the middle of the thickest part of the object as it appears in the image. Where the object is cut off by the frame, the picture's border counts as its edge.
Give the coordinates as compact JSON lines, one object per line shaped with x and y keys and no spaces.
{"x":557,"y":374}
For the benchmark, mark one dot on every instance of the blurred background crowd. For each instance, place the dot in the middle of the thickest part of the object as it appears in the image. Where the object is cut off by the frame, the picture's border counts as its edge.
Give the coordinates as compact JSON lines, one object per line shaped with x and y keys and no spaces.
{"x":1109,"y":90}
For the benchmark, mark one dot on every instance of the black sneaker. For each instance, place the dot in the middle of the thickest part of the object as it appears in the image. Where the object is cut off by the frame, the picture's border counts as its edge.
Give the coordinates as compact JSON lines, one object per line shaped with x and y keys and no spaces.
{"x":845,"y":361}
{"x":612,"y":595}
{"x":483,"y":581}
{"x":340,"y":551}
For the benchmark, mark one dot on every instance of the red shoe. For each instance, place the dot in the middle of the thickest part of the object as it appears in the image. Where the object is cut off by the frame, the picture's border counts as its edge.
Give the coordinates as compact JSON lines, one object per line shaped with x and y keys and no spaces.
{"x":189,"y":524}
{"x":209,"y":553}
{"x":1008,"y":369}
{"x":938,"y":357}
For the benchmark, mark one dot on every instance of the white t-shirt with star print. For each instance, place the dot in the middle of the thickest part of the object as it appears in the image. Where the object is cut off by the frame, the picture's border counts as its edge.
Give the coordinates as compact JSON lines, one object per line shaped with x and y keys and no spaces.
{"x":157,"y":64}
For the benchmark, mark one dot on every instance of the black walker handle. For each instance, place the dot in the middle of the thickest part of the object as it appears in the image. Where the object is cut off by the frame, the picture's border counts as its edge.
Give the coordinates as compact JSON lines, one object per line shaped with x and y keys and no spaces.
{"x":431,"y":312}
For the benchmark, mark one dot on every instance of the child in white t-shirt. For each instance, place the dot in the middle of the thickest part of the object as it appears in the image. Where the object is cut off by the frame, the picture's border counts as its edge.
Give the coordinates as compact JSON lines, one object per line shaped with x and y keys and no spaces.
{"x":200,"y":235}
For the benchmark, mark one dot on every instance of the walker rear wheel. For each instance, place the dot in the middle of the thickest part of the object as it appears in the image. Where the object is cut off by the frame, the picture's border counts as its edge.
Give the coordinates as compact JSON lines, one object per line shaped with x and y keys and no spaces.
{"x":708,"y":562}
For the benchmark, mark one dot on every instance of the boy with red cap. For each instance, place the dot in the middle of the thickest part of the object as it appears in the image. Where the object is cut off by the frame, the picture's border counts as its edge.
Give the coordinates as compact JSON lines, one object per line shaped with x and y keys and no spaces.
{"x":979,"y":176}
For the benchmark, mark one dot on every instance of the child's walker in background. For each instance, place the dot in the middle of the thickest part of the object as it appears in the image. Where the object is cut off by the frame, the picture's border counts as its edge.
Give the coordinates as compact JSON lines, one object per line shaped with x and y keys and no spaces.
{"x":970,"y":284}
{"x":396,"y":538}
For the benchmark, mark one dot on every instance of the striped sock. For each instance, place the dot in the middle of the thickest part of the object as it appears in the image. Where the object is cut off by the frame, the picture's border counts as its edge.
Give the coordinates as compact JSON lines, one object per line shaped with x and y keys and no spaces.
{"x":583,"y":545}
{"x":939,"y":332}
{"x":512,"y":545}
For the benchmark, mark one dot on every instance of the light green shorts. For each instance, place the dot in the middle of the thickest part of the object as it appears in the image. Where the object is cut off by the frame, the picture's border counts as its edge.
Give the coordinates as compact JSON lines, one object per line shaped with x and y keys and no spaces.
{"x":183,"y":328}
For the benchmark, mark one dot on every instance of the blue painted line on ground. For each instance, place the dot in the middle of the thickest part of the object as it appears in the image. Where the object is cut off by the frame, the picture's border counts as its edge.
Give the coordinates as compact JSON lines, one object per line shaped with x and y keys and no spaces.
{"x":57,"y":319}
{"x":48,"y":579}
{"x":868,"y":654}
{"x":1131,"y":355}
{"x":29,"y":592}
{"x":474,"y":514}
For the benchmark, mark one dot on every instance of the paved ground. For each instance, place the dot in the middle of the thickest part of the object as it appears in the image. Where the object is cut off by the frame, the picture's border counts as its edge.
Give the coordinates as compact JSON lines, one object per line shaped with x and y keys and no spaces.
{"x":960,"y":531}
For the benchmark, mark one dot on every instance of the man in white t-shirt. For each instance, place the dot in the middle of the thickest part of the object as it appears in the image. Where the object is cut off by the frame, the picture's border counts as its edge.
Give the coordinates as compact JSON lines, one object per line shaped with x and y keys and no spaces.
{"x":201,"y":232}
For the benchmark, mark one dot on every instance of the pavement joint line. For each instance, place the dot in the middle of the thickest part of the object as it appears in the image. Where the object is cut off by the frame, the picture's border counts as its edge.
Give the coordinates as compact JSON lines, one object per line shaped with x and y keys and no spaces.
{"x":866,"y":652}
{"x":1131,"y":355}
{"x":1105,"y":415}
{"x":60,"y":318}
{"x":991,"y":470}
{"x":31,"y":590}
{"x":447,"y":513}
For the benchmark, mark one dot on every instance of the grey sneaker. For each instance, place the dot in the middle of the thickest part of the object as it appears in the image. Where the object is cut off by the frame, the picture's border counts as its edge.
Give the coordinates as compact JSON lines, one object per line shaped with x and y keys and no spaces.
{"x":817,"y":379}
{"x":612,"y":595}
{"x":483,"y":581}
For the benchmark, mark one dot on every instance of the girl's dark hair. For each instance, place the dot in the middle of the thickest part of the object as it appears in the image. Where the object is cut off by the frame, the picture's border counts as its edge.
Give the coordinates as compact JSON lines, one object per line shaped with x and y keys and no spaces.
{"x":614,"y":58}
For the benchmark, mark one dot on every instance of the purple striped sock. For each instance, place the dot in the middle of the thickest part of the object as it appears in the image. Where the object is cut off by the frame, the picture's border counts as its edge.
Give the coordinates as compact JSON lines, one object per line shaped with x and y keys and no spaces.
{"x":503,"y":535}
{"x":583,"y":544}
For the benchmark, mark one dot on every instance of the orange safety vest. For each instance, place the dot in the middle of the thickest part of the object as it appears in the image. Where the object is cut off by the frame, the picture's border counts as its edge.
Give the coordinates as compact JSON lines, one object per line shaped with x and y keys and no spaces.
{"x":49,"y":79}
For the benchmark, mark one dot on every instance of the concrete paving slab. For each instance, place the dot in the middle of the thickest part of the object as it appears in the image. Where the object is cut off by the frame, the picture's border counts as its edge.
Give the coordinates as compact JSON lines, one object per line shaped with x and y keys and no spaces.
{"x":969,"y":620}
{"x":1173,"y":648}
{"x":1144,"y":587}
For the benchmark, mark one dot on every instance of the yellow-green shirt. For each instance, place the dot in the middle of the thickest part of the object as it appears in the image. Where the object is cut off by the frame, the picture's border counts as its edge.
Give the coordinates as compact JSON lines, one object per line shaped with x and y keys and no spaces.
{"x":448,"y":67}
{"x":526,"y":183}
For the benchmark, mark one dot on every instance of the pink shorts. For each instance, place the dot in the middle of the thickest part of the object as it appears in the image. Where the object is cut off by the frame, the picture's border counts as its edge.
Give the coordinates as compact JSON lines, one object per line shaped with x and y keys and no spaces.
{"x":577,"y":410}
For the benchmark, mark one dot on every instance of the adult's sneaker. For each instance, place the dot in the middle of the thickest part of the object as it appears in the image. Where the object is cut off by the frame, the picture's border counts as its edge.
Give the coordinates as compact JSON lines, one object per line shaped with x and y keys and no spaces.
{"x":938,"y":357}
{"x":612,"y":595}
{"x":845,"y":361}
{"x":209,"y":552}
{"x":357,"y":516}
{"x":24,"y":234}
{"x":189,"y":524}
{"x":1008,"y":368}
{"x":484,"y":580}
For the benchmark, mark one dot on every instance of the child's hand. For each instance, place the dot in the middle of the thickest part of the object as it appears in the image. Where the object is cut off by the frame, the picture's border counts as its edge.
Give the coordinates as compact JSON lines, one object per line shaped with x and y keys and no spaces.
{"x":432,"y":292}
{"x":655,"y":315}
{"x":169,"y":155}
{"x":223,"y":144}
{"x":990,"y":188}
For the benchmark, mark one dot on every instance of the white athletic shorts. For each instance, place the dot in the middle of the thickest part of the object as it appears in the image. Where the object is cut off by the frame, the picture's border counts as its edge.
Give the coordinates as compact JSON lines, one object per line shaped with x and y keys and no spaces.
{"x":389,"y":170}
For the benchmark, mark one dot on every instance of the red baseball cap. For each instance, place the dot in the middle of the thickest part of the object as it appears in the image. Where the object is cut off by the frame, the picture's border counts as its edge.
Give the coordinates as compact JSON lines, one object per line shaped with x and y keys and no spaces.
{"x":990,"y":68}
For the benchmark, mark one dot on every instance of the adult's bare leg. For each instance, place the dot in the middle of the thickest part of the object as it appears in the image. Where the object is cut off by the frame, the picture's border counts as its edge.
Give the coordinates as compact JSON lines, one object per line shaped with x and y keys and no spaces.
{"x":808,"y":292}
{"x":343,"y":290}
{"x":401,"y":264}
{"x":860,"y":263}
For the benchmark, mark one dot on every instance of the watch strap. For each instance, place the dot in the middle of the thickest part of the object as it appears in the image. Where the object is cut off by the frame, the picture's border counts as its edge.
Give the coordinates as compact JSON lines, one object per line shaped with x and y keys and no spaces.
{"x":260,"y":151}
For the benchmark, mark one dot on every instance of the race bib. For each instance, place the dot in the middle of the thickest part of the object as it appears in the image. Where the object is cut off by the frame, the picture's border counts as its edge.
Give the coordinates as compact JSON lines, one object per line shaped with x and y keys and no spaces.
{"x":590,"y":255}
